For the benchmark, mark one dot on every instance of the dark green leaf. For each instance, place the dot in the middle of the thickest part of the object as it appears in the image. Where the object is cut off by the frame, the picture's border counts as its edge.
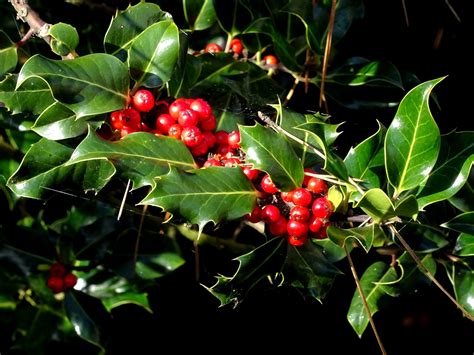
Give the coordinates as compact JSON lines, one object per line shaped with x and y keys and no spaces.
{"x":186,"y":72}
{"x":373,"y":283}
{"x":452,"y":168}
{"x":303,"y":10}
{"x":261,"y":262}
{"x":463,"y":223}
{"x":377,"y":205}
{"x":154,"y":53}
{"x":231,"y":116}
{"x":463,"y":200}
{"x":463,"y":281}
{"x":88,"y":317}
{"x":306,"y":267}
{"x":365,"y":236}
{"x":231,"y":15}
{"x":365,"y":161}
{"x":44,"y":167}
{"x":88,"y":85}
{"x":464,"y":245}
{"x":331,"y":250}
{"x":424,"y":238}
{"x":412,"y":141}
{"x":57,"y":122}
{"x":155,"y":266}
{"x":128,"y":24}
{"x":8,"y":54}
{"x":413,"y":278}
{"x":33,"y":95}
{"x":204,"y":195}
{"x":199,"y":14}
{"x":64,"y":38}
{"x":139,"y":156}
{"x":407,"y":207}
{"x":271,"y":152}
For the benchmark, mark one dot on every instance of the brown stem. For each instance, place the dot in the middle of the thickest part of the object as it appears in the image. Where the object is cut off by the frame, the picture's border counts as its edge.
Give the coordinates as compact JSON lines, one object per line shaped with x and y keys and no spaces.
{"x":25,"y":13}
{"x":364,"y":300}
{"x":327,"y":53}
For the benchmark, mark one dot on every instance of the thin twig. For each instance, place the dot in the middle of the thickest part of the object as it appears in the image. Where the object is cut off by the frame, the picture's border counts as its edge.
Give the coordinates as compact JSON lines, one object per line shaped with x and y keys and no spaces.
{"x":327,"y":52}
{"x":423,"y":268}
{"x":452,"y":10}
{"x":405,"y":12}
{"x":139,"y":234}
{"x":122,"y":204}
{"x":364,"y":300}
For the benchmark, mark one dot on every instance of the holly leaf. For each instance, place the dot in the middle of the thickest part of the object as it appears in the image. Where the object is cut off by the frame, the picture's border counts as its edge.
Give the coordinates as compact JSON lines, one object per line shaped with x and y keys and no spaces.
{"x":374,"y":286}
{"x":365,"y":236}
{"x":308,"y":268}
{"x":365,"y":161}
{"x":206,"y":195}
{"x":33,"y":95}
{"x":128,"y":24}
{"x":424,"y":238}
{"x":377,"y":205}
{"x":463,"y":223}
{"x":89,"y":318}
{"x":452,"y":168}
{"x":8,"y":54}
{"x":44,"y":168}
{"x":462,"y":278}
{"x":412,"y":276}
{"x":254,"y":266}
{"x":139,"y":156}
{"x":186,"y":72}
{"x":88,"y":85}
{"x":232,"y":15}
{"x":64,"y":38}
{"x":199,"y":14}
{"x":412,"y":142}
{"x":271,"y":152}
{"x":153,"y":54}
{"x":464,"y":245}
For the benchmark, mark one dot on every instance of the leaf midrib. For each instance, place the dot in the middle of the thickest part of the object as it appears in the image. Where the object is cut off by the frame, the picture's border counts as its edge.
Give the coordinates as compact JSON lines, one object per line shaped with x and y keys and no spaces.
{"x":107,"y":153}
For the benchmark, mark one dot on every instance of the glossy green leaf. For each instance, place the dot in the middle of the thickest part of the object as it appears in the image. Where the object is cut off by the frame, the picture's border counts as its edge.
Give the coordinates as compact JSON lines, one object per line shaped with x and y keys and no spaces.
{"x":64,"y":38}
{"x":153,"y":54}
{"x":88,"y":317}
{"x":452,"y":168}
{"x":372,"y":284}
{"x":33,"y":95}
{"x":377,"y":205}
{"x":332,"y":251}
{"x":8,"y":54}
{"x":365,"y":161}
{"x":231,"y":15}
{"x":463,"y":223}
{"x":139,"y":156}
{"x":424,"y":238}
{"x":365,"y":236}
{"x":270,"y":151}
{"x":254,"y":266}
{"x":128,"y":24}
{"x":44,"y":168}
{"x":464,"y":245}
{"x":359,"y":71}
{"x":463,"y":281}
{"x":463,"y":200}
{"x":186,"y":72}
{"x":199,"y":14}
{"x":412,"y":141}
{"x":333,"y":164}
{"x":231,"y":115}
{"x":58,"y":122}
{"x":308,"y":268}
{"x":407,"y":207}
{"x":303,"y":10}
{"x":283,"y":49}
{"x":88,"y":85}
{"x":157,"y":265}
{"x":205,"y":195}
{"x":413,"y":277}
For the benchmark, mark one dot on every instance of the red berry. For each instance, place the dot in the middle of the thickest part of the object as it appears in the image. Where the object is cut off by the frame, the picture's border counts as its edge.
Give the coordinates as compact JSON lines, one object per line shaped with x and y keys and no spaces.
{"x":315,"y":224}
{"x":202,"y":108}
{"x":191,"y":136}
{"x":57,"y":270}
{"x":213,"y":48}
{"x":236,"y":46}
{"x":231,"y":162}
{"x":223,"y":149}
{"x":143,"y":100}
{"x":278,"y":227}
{"x":255,"y":215}
{"x":318,"y":186}
{"x":175,"y":131}
{"x":116,"y":120}
{"x":70,"y":281}
{"x":177,"y":106}
{"x":212,"y":162}
{"x":268,"y":185}
{"x":270,"y":213}
{"x":56,"y":284}
{"x":297,"y":241}
{"x":126,"y":130}
{"x":297,"y":228}
{"x":164,"y":122}
{"x":233,"y":139}
{"x":251,"y":174}
{"x":287,"y":196}
{"x":299,"y":213}
{"x":208,"y":124}
{"x":221,"y":137}
{"x":302,"y":197}
{"x":270,"y":60}
{"x":200,"y":149}
{"x":209,"y":138}
{"x":130,"y":118}
{"x":188,"y":117}
{"x":307,"y":177}
{"x":322,"y":207}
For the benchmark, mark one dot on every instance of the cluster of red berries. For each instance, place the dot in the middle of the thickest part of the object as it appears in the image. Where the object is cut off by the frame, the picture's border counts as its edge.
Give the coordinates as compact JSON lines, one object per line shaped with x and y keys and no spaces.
{"x":60,"y":279}
{"x":298,"y":214}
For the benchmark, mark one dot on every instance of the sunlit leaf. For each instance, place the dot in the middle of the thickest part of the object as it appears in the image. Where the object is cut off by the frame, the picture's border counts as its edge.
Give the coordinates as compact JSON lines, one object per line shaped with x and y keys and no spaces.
{"x":199,"y":14}
{"x":362,"y":235}
{"x":8,"y":54}
{"x":463,"y":223}
{"x":463,"y":281}
{"x":464,"y":245}
{"x":64,"y":38}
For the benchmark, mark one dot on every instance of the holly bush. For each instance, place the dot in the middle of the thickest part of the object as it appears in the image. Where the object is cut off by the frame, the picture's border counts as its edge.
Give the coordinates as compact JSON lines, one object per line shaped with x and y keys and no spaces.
{"x":198,"y":133}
